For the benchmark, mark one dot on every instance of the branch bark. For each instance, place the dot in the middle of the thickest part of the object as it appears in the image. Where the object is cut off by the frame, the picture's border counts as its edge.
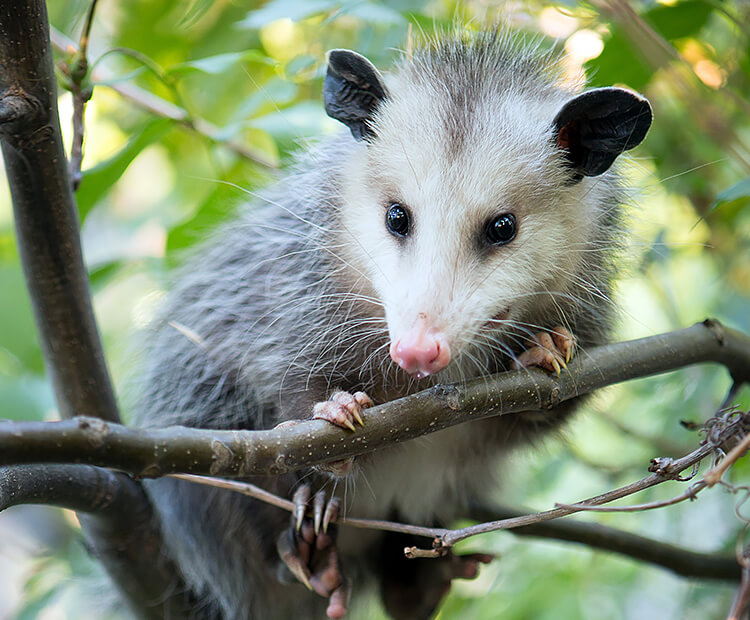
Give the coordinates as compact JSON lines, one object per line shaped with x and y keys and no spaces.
{"x":118,"y":524}
{"x":45,"y":215}
{"x":155,"y":452}
{"x":47,"y":228}
{"x":681,"y":561}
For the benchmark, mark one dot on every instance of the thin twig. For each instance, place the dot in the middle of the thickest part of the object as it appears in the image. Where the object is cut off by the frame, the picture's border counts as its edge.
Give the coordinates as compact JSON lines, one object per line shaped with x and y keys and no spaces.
{"x":256,"y":492}
{"x":82,"y":93}
{"x":691,"y":493}
{"x":741,"y":598}
{"x":714,"y":475}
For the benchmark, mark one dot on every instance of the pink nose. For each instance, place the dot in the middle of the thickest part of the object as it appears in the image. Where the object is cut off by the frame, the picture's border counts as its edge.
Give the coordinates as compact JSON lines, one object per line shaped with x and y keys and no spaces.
{"x":421,"y":351}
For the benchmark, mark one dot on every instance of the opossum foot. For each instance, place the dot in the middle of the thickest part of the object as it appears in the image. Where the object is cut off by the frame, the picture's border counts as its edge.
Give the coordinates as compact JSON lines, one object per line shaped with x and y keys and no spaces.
{"x":343,"y":409}
{"x":308,"y":548}
{"x":418,"y":590}
{"x":551,"y":350}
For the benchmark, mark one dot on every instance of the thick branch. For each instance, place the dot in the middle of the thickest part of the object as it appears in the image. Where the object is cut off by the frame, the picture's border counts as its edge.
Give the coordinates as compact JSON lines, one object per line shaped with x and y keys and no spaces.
{"x":155,"y":452}
{"x":45,"y":216}
{"x":118,"y":524}
{"x":46,"y":221}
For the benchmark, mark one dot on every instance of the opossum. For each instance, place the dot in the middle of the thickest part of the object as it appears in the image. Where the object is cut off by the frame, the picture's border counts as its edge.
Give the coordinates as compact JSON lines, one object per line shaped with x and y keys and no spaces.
{"x":466,"y":223}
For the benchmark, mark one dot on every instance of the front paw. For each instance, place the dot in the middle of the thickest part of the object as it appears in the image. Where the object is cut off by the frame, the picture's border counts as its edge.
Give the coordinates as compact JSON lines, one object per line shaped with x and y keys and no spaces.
{"x":550,"y":350}
{"x":343,"y":409}
{"x":308,"y":549}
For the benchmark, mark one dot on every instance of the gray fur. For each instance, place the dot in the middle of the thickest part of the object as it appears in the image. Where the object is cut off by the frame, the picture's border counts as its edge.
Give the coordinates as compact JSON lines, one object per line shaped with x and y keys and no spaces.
{"x":285,"y":310}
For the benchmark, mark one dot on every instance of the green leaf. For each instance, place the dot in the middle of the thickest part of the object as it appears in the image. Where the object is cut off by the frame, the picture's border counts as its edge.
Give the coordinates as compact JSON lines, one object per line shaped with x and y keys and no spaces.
{"x":213,"y":65}
{"x":738,"y":191}
{"x":275,"y":92}
{"x":97,"y":181}
{"x":217,"y":207}
{"x":680,"y":20}
{"x":608,"y":68}
{"x":288,"y":125}
{"x":672,"y":22}
{"x":119,"y":79}
{"x":295,"y":10}
{"x":194,"y":11}
{"x":374,"y":13}
{"x":18,"y":336}
{"x":101,"y":275}
{"x":25,"y":398}
{"x":300,"y":64}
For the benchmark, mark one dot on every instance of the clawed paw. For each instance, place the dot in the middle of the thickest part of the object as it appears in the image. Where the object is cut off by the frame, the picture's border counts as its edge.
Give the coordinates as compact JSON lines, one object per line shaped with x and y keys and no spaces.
{"x":343,"y":409}
{"x":308,"y":548}
{"x":551,"y":350}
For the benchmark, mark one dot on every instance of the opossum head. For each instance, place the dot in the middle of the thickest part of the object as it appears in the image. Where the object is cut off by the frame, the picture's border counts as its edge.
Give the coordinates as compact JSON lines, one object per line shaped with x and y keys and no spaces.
{"x":474,"y":191}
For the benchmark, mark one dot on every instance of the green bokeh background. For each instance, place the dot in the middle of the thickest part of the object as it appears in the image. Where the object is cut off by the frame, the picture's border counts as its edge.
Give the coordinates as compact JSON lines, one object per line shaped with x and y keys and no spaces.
{"x":153,"y":187}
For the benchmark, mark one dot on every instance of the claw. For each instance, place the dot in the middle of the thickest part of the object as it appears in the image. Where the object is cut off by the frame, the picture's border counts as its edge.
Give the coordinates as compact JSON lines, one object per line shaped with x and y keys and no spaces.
{"x":550,"y":350}
{"x":363,"y":399}
{"x":319,"y":503}
{"x":286,"y":549}
{"x":309,"y":554}
{"x":351,"y":404}
{"x":331,"y":513}
{"x":564,"y":341}
{"x":556,"y":366}
{"x":365,"y":402}
{"x":301,"y":498}
{"x":358,"y":418}
{"x":343,"y":409}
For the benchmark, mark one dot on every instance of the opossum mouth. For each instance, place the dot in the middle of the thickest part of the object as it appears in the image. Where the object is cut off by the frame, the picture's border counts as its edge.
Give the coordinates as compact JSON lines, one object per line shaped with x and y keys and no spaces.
{"x":497,"y":321}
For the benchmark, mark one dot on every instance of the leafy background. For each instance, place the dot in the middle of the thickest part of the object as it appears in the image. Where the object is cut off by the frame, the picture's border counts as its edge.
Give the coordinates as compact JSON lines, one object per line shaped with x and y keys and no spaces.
{"x":152,"y":187}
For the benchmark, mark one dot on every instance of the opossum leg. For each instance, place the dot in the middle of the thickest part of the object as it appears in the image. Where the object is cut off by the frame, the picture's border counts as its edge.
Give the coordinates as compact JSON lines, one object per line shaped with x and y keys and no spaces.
{"x":308,"y":549}
{"x":551,"y":350}
{"x":343,"y":409}
{"x":412,"y":589}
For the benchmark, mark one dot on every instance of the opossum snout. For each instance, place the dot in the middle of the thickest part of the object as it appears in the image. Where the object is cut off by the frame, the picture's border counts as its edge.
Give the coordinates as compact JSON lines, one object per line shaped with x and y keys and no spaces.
{"x":422,"y":350}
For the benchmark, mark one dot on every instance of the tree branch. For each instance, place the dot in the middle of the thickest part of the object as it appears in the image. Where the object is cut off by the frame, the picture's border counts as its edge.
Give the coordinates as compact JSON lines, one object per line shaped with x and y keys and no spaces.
{"x":727,"y":427}
{"x":46,"y":222}
{"x":155,"y":452}
{"x":118,"y":525}
{"x":680,"y":561}
{"x":78,"y":74}
{"x":45,"y":215}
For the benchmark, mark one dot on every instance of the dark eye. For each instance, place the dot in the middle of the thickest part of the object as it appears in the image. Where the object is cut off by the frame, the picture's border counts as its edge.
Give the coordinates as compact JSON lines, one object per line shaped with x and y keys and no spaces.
{"x":502,"y":229}
{"x":397,"y":220}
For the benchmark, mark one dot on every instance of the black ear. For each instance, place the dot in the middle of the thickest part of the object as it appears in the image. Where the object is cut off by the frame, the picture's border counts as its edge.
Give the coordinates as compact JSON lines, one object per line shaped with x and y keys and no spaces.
{"x":352,"y":90}
{"x":595,"y":127}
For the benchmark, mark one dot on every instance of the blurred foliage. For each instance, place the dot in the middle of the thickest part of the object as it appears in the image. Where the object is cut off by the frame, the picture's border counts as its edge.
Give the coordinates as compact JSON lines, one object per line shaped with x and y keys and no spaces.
{"x":153,"y":187}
